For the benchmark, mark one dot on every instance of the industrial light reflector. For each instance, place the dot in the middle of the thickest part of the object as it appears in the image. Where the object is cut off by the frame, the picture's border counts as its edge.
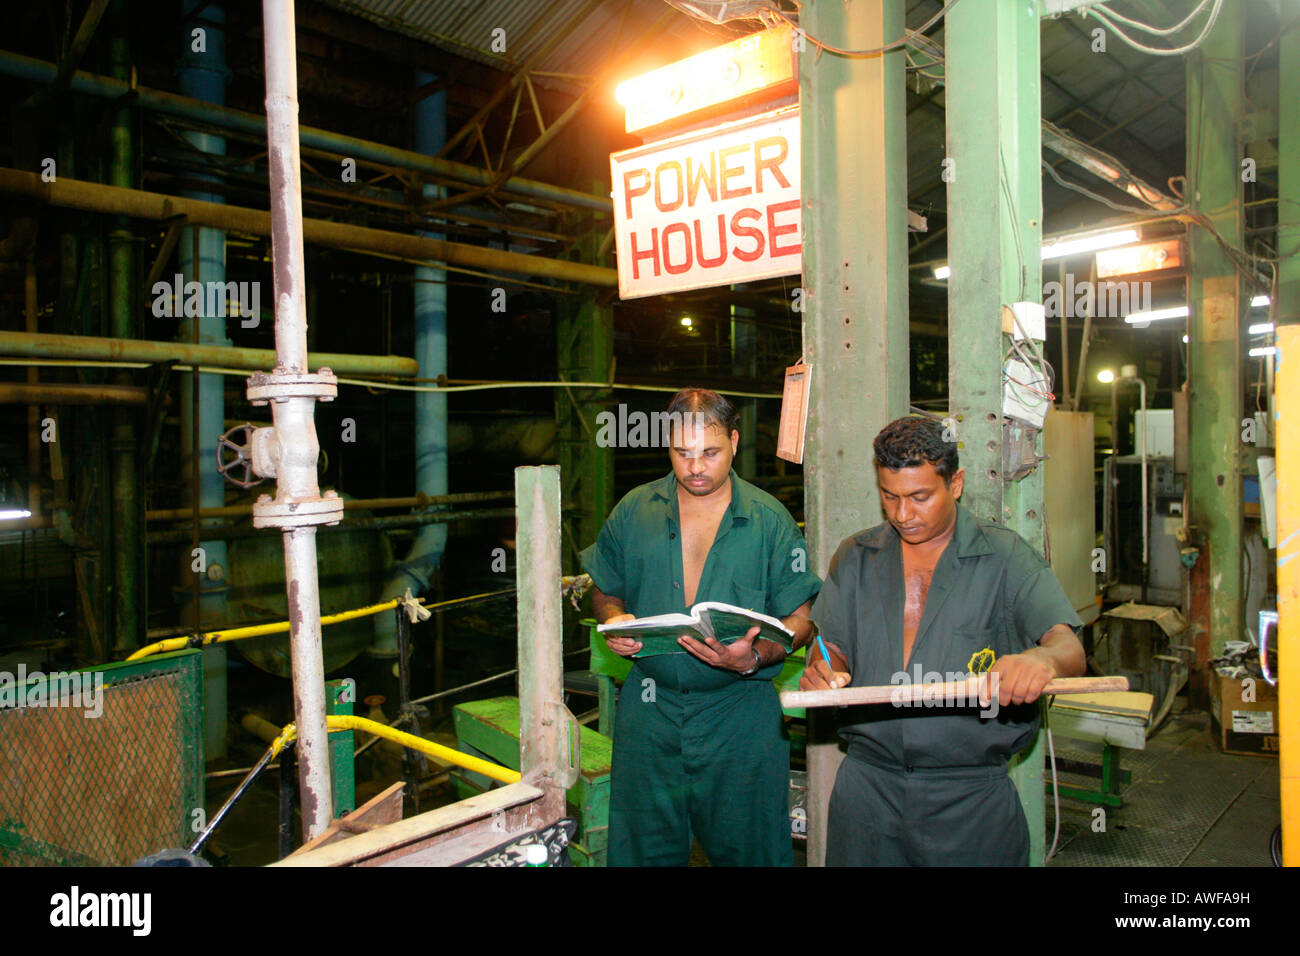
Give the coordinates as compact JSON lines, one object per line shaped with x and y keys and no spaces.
{"x":1155,"y":315}
{"x":758,"y":66}
{"x":1134,"y":260}
{"x":1072,"y":245}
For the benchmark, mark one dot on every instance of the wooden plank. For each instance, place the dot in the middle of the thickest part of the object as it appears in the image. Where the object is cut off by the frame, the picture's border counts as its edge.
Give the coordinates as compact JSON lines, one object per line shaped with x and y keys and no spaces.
{"x":1119,"y":731}
{"x":416,"y":833}
{"x":1118,"y":704}
{"x":950,"y":691}
{"x":379,"y":810}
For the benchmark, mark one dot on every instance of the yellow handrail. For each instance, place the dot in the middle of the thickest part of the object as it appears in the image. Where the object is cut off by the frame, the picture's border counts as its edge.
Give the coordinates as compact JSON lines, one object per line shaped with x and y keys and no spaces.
{"x":279,"y":627}
{"x":344,"y":722}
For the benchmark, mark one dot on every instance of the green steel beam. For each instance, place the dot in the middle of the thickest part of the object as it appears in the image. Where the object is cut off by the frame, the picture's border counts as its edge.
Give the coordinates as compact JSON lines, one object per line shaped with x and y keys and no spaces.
{"x":994,"y":236}
{"x":584,"y":334}
{"x":854,"y":184}
{"x":744,"y":365}
{"x":1215,"y":99}
{"x":1286,"y":305}
{"x":128,"y":513}
{"x":340,"y":696}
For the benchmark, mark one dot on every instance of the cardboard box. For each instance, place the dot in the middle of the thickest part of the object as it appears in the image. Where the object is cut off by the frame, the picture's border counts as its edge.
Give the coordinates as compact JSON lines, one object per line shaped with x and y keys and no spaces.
{"x":1243,"y":725}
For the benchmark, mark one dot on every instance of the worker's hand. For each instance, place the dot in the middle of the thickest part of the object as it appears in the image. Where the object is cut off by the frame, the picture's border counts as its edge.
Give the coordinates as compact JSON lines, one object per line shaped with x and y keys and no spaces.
{"x":817,"y":675}
{"x":737,"y":656}
{"x":1021,"y":677}
{"x":623,"y":646}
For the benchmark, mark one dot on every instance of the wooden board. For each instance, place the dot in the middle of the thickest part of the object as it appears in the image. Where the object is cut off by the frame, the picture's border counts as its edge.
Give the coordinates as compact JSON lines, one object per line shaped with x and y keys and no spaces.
{"x":950,"y":691}
{"x":387,"y":845}
{"x":379,"y":810}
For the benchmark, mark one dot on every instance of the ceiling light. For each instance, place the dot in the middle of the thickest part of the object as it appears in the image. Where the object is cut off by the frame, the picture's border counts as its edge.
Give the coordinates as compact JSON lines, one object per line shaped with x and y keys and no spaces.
{"x":1155,"y":315}
{"x":1259,"y":302}
{"x":1261,"y":352}
{"x":1072,"y":245}
{"x":1261,"y":328}
{"x":10,"y":514}
{"x":942,"y":272}
{"x":1106,"y":376}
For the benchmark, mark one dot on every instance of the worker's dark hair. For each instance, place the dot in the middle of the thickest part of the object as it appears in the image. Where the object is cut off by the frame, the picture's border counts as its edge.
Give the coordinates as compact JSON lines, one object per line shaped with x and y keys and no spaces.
{"x":711,"y":408}
{"x":906,"y":442}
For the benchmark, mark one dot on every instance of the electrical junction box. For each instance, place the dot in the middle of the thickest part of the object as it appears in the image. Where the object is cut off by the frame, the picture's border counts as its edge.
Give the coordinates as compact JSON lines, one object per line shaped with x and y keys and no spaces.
{"x":1029,"y":316}
{"x":1025,"y":394}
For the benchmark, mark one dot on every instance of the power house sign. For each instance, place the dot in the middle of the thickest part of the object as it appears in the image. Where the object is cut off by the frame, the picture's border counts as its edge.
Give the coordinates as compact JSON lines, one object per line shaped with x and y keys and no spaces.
{"x":710,"y":208}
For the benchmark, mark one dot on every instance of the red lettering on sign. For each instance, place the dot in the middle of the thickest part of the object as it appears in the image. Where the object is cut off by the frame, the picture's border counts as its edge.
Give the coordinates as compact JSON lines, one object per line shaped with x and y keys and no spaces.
{"x":750,"y":232}
{"x":773,"y":164}
{"x":706,"y":176}
{"x":652,"y":253}
{"x":707,"y":262}
{"x":659,"y":178}
{"x":728,"y":171}
{"x":775,"y":232}
{"x":669,"y":232}
{"x":629,"y":193}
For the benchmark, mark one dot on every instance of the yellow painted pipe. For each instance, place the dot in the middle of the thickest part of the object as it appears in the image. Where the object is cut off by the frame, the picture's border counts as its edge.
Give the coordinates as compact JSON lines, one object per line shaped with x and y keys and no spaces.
{"x":343,"y":722}
{"x":1287,"y":404}
{"x":255,"y":630}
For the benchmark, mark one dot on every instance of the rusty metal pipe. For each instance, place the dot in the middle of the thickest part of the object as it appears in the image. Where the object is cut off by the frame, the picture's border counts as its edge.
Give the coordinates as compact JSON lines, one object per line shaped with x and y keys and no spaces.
{"x":13,"y":393}
{"x":100,"y":348}
{"x":292,"y":393}
{"x":96,"y":197}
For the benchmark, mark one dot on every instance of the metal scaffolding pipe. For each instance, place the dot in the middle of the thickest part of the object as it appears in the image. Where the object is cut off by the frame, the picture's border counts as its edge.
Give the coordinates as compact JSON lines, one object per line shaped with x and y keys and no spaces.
{"x":99,"y":348}
{"x":229,"y":532}
{"x":421,"y":502}
{"x":292,"y":392}
{"x":169,"y":104}
{"x":13,"y":393}
{"x":96,"y":197}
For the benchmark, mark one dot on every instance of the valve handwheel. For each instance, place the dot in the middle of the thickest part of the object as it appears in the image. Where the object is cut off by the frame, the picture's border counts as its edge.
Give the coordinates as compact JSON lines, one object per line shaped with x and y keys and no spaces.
{"x":228,"y":468}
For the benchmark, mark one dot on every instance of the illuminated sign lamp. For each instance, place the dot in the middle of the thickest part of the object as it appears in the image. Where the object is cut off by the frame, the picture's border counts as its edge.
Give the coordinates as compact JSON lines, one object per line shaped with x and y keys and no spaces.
{"x":1134,"y":260}
{"x":758,"y":67}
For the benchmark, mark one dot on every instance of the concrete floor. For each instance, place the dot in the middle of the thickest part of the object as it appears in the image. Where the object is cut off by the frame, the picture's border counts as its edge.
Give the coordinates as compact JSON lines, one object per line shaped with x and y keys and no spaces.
{"x":1188,"y":804}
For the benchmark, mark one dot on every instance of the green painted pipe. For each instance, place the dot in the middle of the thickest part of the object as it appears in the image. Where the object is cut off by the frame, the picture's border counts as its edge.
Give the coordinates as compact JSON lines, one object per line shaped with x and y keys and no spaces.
{"x":98,"y":348}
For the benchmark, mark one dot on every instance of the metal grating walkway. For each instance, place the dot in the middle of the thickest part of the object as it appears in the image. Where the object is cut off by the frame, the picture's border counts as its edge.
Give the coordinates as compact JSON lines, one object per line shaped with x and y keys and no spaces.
{"x":1188,"y":804}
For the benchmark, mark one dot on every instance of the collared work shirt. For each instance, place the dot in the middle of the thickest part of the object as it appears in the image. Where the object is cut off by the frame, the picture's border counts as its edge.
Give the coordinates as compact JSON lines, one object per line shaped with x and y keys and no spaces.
{"x":758,"y":561}
{"x":990,"y":592}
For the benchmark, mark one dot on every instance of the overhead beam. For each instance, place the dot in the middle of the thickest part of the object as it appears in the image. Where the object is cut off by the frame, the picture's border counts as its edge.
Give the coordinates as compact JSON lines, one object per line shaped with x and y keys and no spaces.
{"x":169,"y":104}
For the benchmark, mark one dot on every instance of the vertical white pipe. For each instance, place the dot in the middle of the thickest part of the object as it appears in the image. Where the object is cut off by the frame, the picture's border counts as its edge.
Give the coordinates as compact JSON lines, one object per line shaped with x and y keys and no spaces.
{"x":294,"y":415}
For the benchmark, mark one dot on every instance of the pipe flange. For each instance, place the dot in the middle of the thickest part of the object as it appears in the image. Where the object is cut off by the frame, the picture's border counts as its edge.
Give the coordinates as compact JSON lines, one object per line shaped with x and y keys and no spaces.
{"x":282,"y":385}
{"x":289,"y":513}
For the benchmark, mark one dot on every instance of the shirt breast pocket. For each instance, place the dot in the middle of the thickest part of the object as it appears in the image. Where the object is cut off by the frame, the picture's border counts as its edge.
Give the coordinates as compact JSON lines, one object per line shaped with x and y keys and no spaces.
{"x":751,"y":599}
{"x":974,"y":649}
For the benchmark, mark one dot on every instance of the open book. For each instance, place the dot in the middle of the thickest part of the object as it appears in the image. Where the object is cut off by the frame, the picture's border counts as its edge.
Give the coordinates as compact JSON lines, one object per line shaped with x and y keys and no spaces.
{"x":725,"y":622}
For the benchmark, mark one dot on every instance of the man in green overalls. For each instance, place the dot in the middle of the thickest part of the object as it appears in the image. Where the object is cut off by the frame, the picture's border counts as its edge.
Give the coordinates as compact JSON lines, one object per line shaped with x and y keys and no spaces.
{"x":931,"y":595}
{"x":698,"y":744}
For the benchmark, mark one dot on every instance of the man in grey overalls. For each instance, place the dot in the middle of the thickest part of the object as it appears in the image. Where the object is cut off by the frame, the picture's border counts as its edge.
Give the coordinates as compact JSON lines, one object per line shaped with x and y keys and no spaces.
{"x":933,"y":593}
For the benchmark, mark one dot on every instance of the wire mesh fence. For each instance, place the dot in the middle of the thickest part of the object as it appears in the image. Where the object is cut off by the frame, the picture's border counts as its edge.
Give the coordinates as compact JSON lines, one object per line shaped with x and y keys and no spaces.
{"x":108,"y":778}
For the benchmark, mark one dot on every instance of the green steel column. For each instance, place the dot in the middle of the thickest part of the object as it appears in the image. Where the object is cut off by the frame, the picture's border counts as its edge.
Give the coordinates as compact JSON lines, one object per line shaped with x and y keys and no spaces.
{"x":1286,"y":292}
{"x":994,"y":230}
{"x":128,"y":511}
{"x":340,"y":696}
{"x":744,"y":365}
{"x":854,"y":186}
{"x":584,"y":335}
{"x":1215,"y":100}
